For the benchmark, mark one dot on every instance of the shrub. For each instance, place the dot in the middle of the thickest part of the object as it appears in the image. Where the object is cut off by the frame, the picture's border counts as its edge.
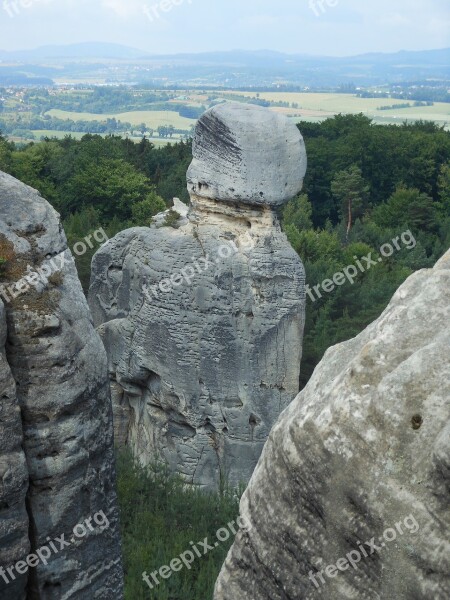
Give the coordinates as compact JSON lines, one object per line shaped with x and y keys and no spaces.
{"x":172,"y":219}
{"x":160,"y":516}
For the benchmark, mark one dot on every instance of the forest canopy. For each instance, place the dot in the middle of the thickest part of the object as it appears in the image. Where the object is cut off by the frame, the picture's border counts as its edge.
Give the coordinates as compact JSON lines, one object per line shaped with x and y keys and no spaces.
{"x":366,"y":184}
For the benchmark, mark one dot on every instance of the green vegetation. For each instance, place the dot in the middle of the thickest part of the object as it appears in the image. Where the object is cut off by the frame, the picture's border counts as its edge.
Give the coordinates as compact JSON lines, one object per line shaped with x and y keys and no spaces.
{"x":405,"y":105}
{"x":97,"y":100}
{"x":160,"y":516}
{"x":27,"y":127}
{"x":166,"y":115}
{"x":100,"y":182}
{"x":365,"y":185}
{"x":146,"y":209}
{"x":314,"y":105}
{"x":98,"y":110}
{"x":152,"y":118}
{"x":172,"y":219}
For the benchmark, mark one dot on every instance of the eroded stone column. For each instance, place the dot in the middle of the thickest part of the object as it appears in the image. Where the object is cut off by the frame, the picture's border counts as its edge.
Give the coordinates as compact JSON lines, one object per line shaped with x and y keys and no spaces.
{"x":203,"y":320}
{"x":14,"y":542}
{"x":59,"y":365}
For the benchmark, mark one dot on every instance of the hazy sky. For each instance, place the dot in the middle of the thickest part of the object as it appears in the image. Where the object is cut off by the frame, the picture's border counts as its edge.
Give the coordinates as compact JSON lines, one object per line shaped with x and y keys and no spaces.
{"x":340,"y":27}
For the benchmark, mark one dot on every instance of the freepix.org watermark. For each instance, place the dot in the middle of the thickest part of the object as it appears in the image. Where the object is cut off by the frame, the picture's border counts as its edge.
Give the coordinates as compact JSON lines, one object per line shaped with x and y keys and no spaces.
{"x":14,"y":7}
{"x":187,"y":275}
{"x":319,"y":7}
{"x":54,"y":546}
{"x":186,"y":559}
{"x":365,"y":550}
{"x":40,"y":277}
{"x":156,"y":11}
{"x":351,"y":272}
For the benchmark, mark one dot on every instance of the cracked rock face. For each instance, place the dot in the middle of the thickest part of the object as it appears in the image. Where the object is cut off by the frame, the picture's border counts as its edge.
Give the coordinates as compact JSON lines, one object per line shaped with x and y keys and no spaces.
{"x":362,"y":455}
{"x":14,"y":542}
{"x":203,"y":322}
{"x":247,"y":154}
{"x":56,"y":443}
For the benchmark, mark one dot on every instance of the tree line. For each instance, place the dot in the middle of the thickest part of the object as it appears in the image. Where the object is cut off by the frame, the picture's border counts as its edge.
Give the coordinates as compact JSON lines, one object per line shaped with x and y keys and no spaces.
{"x":365,"y":185}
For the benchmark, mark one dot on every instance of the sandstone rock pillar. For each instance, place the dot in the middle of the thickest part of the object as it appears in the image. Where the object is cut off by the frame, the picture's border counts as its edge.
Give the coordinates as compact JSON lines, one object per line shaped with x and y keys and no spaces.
{"x":203,"y":320}
{"x":57,"y":413}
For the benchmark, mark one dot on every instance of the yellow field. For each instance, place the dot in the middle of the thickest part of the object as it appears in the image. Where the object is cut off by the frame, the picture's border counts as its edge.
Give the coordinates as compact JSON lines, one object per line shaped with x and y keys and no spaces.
{"x":312,"y":107}
{"x":322,"y":105}
{"x":151,"y":118}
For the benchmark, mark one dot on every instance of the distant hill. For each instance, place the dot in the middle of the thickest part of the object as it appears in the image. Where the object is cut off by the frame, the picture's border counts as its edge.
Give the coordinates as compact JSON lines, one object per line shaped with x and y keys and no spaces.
{"x":90,"y":50}
{"x":236,"y":68}
{"x":87,"y":50}
{"x":430,"y":57}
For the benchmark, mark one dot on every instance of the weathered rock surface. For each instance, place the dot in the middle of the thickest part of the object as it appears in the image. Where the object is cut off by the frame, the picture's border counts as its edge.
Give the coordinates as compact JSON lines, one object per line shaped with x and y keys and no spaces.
{"x":233,"y":161}
{"x":363,"y":447}
{"x":64,"y":425}
{"x":203,"y":323}
{"x":14,"y":542}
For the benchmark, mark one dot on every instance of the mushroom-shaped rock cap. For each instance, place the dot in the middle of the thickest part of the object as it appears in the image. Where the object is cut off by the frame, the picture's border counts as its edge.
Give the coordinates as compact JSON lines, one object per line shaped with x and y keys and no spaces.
{"x":247,"y":154}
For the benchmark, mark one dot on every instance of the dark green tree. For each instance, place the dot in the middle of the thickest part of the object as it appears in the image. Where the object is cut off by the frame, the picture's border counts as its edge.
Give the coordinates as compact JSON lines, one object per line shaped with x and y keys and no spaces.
{"x":352,"y":192}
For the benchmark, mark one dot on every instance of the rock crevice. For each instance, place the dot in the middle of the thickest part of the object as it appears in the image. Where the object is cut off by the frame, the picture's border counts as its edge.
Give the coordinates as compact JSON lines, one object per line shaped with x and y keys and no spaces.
{"x":361,"y":457}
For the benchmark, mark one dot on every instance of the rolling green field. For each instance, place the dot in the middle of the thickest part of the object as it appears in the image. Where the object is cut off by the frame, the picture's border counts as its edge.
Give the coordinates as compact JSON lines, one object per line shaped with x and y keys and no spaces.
{"x":332,"y":104}
{"x":312,"y":107}
{"x":309,"y":107}
{"x":152,"y":118}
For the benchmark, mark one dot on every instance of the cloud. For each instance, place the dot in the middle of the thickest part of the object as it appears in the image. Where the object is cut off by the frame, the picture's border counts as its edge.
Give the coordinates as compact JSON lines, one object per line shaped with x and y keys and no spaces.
{"x":124,"y":8}
{"x":349,"y":27}
{"x":395,"y":20}
{"x":259,"y":22}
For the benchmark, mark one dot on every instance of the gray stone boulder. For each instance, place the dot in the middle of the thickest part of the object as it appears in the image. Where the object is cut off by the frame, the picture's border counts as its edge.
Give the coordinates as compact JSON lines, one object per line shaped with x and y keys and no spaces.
{"x":246,"y":154}
{"x":60,"y":420}
{"x":350,"y":497}
{"x":203,"y":321}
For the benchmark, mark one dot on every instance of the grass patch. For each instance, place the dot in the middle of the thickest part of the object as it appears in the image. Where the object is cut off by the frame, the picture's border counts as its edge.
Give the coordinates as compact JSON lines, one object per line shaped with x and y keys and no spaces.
{"x":160,"y":516}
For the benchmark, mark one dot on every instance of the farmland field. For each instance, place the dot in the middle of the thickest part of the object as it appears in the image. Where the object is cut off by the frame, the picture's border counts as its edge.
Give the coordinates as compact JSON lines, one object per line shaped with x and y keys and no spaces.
{"x":311,"y":107}
{"x":324,"y":105}
{"x":152,"y":118}
{"x":21,"y":115}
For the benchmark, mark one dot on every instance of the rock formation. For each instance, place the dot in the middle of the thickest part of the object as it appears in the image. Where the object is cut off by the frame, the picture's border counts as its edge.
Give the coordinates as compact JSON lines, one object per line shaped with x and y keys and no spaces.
{"x":350,"y":496}
{"x":56,"y":439}
{"x":14,"y":542}
{"x":203,"y":320}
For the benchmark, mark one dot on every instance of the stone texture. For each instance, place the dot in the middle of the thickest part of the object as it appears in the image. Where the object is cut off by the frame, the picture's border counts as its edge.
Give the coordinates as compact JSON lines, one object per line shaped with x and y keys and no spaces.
{"x":14,"y":543}
{"x":201,"y":369}
{"x":246,"y":154}
{"x":59,"y":364}
{"x":365,"y":445}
